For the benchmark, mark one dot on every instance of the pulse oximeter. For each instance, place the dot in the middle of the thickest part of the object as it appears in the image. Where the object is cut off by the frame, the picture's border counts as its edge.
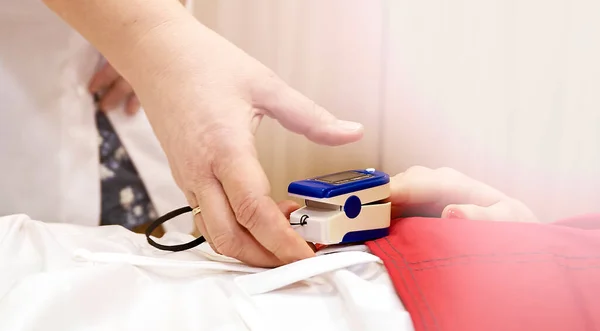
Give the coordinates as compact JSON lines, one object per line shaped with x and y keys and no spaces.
{"x":343,"y":207}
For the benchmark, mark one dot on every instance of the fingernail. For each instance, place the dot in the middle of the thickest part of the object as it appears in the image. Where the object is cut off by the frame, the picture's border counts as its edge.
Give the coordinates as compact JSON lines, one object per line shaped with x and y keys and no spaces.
{"x":456,"y":214}
{"x":348,"y":126}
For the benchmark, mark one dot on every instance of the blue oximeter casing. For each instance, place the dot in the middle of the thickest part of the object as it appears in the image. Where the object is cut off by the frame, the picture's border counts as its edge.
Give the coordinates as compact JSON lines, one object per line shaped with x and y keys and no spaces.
{"x":343,"y":207}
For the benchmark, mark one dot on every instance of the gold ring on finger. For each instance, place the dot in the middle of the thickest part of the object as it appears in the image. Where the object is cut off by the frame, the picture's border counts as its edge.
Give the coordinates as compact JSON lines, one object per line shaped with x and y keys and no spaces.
{"x":196,"y":211}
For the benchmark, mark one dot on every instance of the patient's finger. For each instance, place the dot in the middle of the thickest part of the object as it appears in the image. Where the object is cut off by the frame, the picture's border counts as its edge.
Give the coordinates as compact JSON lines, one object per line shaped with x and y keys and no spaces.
{"x":477,"y":213}
{"x":420,"y":210}
{"x":421,"y":186}
{"x":506,"y":210}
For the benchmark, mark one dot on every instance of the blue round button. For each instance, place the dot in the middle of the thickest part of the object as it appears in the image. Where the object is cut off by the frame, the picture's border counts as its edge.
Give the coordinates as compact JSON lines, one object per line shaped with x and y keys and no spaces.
{"x":352,"y":206}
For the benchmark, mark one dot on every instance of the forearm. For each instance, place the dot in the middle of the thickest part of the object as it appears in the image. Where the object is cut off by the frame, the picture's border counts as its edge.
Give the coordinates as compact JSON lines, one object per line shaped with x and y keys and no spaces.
{"x":154,"y":45}
{"x":140,"y":38}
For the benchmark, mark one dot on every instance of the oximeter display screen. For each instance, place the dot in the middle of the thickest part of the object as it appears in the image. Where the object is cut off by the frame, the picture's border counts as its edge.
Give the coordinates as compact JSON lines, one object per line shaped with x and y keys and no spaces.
{"x":343,"y":177}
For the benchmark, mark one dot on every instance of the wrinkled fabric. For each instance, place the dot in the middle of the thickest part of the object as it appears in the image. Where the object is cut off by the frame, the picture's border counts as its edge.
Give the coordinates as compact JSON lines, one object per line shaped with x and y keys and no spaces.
{"x":454,"y":274}
{"x":69,"y":277}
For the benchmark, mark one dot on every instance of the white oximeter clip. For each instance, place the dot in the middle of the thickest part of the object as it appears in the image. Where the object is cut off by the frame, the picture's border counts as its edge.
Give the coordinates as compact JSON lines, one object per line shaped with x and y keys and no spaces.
{"x":344,"y":207}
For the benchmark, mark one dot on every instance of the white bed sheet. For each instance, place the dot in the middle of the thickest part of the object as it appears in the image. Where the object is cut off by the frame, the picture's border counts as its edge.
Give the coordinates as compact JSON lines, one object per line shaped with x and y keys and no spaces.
{"x":68,"y":277}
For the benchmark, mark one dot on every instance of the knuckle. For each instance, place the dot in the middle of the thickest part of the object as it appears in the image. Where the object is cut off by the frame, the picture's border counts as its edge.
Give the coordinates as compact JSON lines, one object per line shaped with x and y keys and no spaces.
{"x":222,"y":167}
{"x":192,"y":177}
{"x":247,"y":211}
{"x":193,"y":171}
{"x":218,"y":133}
{"x":227,"y":159}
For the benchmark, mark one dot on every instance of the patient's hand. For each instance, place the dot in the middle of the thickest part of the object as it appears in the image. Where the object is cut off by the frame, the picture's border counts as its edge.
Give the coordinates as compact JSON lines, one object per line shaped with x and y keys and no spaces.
{"x":444,"y":193}
{"x":447,"y":193}
{"x":113,"y":90}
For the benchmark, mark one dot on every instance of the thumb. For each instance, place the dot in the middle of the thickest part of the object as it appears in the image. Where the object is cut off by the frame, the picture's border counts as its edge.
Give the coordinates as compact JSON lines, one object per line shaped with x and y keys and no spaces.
{"x":505,"y":210}
{"x":495,"y":212}
{"x":301,"y":115}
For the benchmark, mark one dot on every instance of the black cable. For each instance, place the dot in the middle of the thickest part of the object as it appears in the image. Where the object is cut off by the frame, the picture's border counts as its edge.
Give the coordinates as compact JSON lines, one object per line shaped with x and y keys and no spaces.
{"x":175,"y":248}
{"x":302,"y":222}
{"x":182,"y":247}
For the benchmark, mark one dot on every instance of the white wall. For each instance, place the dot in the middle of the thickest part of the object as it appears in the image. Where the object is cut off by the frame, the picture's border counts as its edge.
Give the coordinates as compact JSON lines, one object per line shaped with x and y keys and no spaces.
{"x":506,"y":91}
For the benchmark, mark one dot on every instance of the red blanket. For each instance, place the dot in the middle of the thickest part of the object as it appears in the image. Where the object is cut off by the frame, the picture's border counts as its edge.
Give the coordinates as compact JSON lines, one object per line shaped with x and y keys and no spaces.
{"x":454,"y":274}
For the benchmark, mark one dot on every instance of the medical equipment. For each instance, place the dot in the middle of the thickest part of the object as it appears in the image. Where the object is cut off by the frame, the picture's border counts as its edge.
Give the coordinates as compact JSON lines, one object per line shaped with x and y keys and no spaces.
{"x":343,"y":207}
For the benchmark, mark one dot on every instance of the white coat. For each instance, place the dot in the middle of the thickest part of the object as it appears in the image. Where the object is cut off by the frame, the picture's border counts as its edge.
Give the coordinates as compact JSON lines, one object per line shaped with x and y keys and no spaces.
{"x":49,"y":154}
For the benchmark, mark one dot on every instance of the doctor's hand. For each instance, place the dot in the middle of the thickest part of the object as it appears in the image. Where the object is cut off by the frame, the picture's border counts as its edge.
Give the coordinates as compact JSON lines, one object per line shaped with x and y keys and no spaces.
{"x":113,"y":90}
{"x":205,"y":98}
{"x":205,"y":108}
{"x":447,"y":193}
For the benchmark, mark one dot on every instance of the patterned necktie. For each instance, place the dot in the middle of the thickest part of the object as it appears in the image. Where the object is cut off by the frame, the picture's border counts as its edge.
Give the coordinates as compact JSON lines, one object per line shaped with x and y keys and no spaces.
{"x":125,"y":200}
